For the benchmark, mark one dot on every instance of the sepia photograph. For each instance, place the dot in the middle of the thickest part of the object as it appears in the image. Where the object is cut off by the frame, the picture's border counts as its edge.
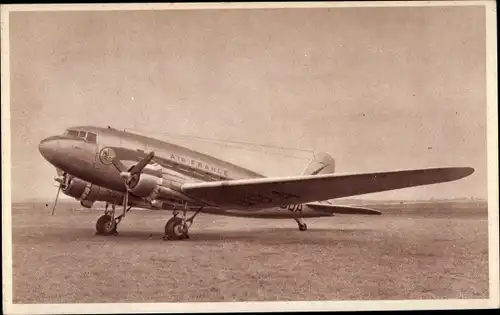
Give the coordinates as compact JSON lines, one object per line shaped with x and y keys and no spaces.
{"x":249,"y":157}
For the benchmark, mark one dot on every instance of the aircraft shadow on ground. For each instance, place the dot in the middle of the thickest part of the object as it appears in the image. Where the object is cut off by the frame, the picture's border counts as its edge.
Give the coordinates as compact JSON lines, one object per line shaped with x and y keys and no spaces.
{"x":270,"y":236}
{"x":283,"y":236}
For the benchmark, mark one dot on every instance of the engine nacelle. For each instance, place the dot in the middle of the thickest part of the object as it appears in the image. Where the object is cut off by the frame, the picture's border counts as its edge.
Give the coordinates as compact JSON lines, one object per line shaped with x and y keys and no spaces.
{"x":145,"y":186}
{"x":86,"y":203}
{"x":87,"y":193}
{"x":74,"y":187}
{"x":81,"y":190}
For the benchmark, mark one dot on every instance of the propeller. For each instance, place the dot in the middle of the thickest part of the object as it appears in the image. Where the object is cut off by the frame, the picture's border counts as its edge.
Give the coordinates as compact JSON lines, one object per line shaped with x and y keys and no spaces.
{"x":132,"y":175}
{"x":136,"y":169}
{"x":61,"y":179}
{"x":55,"y":202}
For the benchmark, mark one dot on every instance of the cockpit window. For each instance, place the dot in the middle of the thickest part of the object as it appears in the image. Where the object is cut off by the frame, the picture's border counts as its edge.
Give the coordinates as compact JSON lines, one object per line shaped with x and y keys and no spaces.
{"x":91,"y":137}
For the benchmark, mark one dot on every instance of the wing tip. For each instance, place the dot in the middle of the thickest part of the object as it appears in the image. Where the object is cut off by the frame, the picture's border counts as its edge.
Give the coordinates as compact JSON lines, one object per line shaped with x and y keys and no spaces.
{"x":462,"y":172}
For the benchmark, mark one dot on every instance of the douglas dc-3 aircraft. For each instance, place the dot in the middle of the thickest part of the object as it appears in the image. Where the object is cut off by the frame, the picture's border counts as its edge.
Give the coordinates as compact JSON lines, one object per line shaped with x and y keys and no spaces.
{"x":131,"y":170}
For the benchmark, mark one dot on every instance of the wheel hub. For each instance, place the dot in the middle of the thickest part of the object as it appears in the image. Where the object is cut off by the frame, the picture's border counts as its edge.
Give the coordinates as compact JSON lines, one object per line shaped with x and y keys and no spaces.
{"x":179,"y":230}
{"x":109,"y":226}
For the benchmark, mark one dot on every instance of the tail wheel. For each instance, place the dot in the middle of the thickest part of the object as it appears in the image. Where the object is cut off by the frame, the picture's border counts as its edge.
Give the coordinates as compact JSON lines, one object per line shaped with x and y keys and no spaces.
{"x":105,"y":225}
{"x":175,"y":229}
{"x":302,"y":227}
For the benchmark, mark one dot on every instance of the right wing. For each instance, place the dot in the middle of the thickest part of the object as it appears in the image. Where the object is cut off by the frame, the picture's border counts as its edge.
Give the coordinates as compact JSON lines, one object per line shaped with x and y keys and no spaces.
{"x":271,"y":192}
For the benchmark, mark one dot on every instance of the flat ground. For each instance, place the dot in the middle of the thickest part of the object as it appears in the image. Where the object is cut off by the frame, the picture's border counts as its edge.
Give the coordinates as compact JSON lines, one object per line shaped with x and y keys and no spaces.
{"x":401,"y":255}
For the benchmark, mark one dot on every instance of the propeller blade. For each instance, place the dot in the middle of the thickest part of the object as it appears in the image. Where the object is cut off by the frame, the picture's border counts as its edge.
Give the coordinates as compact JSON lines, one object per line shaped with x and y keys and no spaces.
{"x":119,"y":165}
{"x":136,"y":169}
{"x":55,"y":202}
{"x":125,"y":202}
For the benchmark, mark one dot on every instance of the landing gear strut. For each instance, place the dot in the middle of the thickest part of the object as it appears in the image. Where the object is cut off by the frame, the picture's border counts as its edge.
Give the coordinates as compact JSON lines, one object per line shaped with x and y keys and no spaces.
{"x":177,"y":228}
{"x":302,"y":225}
{"x":108,"y":223}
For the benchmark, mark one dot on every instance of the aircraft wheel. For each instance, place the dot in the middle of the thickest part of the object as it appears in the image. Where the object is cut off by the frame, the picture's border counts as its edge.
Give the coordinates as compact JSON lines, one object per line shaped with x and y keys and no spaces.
{"x":175,"y":230}
{"x":105,"y":225}
{"x":302,"y":227}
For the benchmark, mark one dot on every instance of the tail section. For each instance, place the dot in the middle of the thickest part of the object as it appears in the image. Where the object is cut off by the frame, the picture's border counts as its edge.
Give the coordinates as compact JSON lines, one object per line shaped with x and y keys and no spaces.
{"x":322,"y":163}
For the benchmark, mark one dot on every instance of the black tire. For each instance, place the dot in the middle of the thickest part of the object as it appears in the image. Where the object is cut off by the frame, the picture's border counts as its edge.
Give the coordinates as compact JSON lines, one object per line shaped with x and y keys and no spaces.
{"x":174,"y":229}
{"x":303,"y":227}
{"x":105,"y":225}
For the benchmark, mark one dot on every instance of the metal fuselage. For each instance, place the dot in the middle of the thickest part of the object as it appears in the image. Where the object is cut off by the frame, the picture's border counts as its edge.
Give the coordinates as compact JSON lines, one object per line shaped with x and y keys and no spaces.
{"x":85,"y":160}
{"x":91,"y":161}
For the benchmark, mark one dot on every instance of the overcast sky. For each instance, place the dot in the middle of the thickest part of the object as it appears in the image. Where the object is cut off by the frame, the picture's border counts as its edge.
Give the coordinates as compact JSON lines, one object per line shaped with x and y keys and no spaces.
{"x":378,"y":88}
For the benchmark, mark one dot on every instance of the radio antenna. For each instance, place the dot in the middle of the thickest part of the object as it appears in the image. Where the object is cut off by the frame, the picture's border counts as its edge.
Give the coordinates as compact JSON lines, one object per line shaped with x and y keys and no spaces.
{"x":226,"y":142}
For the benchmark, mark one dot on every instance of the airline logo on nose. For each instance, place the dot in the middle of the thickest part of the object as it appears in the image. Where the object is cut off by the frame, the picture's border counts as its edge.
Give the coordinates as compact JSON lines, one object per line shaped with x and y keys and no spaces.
{"x":107,"y":155}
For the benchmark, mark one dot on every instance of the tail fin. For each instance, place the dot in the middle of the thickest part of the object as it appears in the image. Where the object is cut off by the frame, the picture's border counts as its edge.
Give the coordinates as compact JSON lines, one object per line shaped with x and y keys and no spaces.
{"x":322,"y":163}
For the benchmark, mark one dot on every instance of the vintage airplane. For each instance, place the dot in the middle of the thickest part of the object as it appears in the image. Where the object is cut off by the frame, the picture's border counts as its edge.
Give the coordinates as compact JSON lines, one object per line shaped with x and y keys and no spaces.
{"x":132,"y":170}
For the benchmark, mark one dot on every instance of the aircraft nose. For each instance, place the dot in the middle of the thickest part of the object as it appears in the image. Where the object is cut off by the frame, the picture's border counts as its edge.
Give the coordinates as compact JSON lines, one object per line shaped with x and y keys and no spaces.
{"x":48,"y":148}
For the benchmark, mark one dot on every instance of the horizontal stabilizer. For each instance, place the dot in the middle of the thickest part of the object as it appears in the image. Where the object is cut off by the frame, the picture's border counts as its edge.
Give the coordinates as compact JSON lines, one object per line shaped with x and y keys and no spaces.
{"x":329,"y":208}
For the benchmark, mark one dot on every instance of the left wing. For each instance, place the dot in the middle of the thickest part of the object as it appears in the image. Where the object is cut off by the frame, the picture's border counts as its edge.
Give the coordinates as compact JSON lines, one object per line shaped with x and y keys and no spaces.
{"x":270,"y":192}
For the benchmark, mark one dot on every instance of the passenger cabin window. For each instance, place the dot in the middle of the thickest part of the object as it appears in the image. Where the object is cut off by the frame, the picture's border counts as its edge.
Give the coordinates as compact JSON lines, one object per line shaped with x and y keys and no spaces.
{"x":91,"y":137}
{"x":82,"y":134}
{"x":71,"y":133}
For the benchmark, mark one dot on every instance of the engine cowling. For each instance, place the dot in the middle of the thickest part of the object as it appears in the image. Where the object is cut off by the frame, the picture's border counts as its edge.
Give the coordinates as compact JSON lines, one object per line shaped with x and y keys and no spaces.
{"x":74,"y":187}
{"x":86,"y":192}
{"x":81,"y":190}
{"x":145,"y":185}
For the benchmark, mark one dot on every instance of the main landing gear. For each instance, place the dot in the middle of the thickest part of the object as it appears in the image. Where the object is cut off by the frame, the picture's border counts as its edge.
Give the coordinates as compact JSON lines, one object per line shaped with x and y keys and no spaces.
{"x":177,"y":228}
{"x":108,"y":223}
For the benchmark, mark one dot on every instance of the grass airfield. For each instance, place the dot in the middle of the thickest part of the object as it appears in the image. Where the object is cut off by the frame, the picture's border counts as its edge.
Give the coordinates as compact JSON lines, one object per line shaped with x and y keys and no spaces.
{"x":413,"y":251}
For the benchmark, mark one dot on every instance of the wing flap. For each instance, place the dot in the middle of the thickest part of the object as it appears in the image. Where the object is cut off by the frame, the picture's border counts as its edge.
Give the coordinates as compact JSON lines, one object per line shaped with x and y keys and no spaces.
{"x":270,"y":192}
{"x":340,"y":209}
